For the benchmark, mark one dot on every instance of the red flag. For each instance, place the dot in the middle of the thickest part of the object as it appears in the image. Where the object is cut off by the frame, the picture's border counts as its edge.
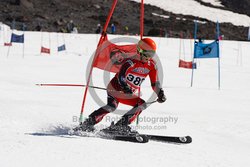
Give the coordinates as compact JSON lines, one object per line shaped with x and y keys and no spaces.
{"x":110,"y":56}
{"x":185,"y":64}
{"x":45,"y":50}
{"x":7,"y":44}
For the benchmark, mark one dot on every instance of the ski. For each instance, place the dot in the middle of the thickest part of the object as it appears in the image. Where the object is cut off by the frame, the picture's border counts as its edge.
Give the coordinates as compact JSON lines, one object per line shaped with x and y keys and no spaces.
{"x":171,"y":139}
{"x":137,"y":138}
{"x":144,"y":138}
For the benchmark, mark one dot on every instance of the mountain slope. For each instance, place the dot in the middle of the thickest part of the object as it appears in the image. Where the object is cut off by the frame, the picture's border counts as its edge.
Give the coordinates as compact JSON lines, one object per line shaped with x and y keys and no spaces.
{"x":54,"y":16}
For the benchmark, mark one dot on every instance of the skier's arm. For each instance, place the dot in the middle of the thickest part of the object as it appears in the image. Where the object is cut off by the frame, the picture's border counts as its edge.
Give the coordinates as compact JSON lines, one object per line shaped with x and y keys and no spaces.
{"x":122,"y":77}
{"x":156,"y":86}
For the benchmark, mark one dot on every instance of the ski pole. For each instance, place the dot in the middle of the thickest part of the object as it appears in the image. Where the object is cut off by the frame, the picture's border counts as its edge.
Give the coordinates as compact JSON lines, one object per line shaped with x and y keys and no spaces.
{"x":75,"y":85}
{"x":79,"y":85}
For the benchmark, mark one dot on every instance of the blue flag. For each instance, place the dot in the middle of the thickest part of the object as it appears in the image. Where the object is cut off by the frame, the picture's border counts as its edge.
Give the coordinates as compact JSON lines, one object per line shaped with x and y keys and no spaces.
{"x":61,"y":48}
{"x":17,"y":38}
{"x":202,"y":50}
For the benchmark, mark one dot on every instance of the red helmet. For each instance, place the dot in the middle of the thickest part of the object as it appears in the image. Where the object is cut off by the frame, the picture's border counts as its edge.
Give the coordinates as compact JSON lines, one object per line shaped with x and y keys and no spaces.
{"x":146,"y":46}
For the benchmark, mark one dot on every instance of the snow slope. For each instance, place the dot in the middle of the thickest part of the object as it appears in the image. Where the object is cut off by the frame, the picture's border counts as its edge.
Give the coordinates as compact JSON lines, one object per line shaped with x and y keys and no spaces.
{"x":33,"y":118}
{"x":191,"y":7}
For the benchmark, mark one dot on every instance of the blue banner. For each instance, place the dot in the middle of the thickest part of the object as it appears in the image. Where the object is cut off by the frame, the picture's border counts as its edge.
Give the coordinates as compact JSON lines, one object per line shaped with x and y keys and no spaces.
{"x":202,"y":50}
{"x":17,"y":38}
{"x":61,"y":48}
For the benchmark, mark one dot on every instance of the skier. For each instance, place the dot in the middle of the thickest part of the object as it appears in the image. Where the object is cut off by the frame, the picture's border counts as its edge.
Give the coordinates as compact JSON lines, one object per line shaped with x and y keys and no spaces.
{"x":122,"y":89}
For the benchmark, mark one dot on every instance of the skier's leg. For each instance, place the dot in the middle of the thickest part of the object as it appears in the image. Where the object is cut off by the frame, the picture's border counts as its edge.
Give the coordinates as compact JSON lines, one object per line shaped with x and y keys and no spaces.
{"x":139,"y":105}
{"x":97,"y":115}
{"x":121,"y":127}
{"x":111,"y":106}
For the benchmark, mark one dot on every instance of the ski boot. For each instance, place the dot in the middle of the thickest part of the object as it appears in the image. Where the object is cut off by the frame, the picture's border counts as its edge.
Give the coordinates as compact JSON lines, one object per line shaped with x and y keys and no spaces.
{"x":86,"y":126}
{"x":119,"y":129}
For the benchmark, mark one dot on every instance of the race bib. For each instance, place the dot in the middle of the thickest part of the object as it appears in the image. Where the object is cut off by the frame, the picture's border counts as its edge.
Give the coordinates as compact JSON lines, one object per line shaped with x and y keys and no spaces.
{"x":134,"y":81}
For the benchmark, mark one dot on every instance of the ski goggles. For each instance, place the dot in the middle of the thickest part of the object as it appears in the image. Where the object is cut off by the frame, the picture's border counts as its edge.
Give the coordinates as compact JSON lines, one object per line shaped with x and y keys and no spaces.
{"x":146,"y":53}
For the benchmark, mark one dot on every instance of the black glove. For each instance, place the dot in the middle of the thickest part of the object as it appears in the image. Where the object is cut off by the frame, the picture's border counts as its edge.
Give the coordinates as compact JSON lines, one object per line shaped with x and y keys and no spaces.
{"x":127,"y":89}
{"x":161,"y":96}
